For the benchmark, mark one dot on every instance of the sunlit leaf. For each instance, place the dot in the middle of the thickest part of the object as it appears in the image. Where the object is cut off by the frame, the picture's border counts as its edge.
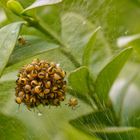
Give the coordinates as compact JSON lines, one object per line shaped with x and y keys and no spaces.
{"x":133,"y":41}
{"x":126,"y":40}
{"x":8,"y":37}
{"x":110,"y":72}
{"x":119,"y":91}
{"x":39,"y":3}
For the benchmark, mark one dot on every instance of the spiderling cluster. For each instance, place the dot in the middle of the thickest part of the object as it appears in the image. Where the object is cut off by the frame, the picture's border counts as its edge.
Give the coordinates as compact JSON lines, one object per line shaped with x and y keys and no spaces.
{"x":40,"y":82}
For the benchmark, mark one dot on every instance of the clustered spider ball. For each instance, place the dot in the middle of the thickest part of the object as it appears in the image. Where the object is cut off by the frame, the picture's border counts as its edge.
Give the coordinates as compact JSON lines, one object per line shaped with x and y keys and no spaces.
{"x":40,"y":83}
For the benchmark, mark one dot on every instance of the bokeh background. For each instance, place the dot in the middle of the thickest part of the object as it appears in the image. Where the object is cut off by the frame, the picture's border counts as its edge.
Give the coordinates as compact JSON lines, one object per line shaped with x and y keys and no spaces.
{"x":74,"y":20}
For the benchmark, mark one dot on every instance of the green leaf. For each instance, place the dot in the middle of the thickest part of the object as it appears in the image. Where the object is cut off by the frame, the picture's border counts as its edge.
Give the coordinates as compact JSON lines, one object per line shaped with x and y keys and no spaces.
{"x":98,"y":119}
{"x":78,"y":80}
{"x":31,"y":119}
{"x":34,"y":46}
{"x":119,"y":91}
{"x":8,"y":38}
{"x":125,"y":98}
{"x":109,"y":73}
{"x":130,"y":113}
{"x":88,"y":51}
{"x":80,"y":85}
{"x":11,"y":76}
{"x":15,"y":7}
{"x":6,"y":88}
{"x":39,"y":3}
{"x":102,"y":125}
{"x":76,"y":31}
{"x":118,"y":133}
{"x":85,"y":98}
{"x":53,"y":13}
{"x":54,"y":55}
{"x":133,"y":41}
{"x":12,"y":128}
{"x":73,"y":134}
{"x":126,"y":40}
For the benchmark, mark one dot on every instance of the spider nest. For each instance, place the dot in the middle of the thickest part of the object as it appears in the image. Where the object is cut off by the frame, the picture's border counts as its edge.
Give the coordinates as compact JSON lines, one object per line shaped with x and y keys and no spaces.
{"x":40,"y":83}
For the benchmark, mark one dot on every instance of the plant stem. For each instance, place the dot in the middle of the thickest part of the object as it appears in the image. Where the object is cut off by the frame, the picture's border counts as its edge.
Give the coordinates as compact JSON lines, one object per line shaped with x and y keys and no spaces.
{"x":116,"y":119}
{"x":45,"y":29}
{"x":68,"y":54}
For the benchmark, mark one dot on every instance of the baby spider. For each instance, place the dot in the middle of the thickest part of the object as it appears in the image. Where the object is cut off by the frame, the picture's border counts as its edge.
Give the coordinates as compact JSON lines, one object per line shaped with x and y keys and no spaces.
{"x":22,"y":42}
{"x":73,"y":102}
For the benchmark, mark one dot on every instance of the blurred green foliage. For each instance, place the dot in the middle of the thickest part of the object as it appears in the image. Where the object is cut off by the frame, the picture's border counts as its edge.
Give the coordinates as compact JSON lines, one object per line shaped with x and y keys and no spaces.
{"x":68,"y":33}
